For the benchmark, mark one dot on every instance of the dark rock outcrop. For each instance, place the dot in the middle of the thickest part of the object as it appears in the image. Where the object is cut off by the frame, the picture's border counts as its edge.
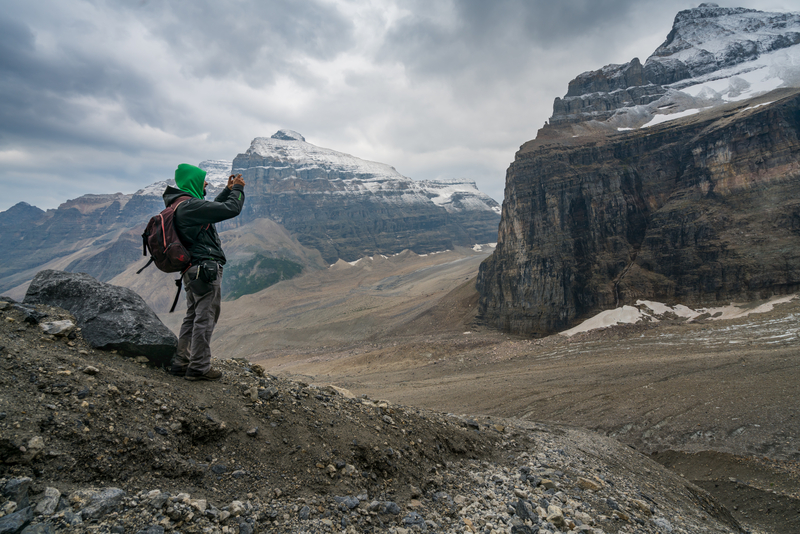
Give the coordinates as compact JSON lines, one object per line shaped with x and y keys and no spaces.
{"x":110,"y":317}
{"x":697,"y":210}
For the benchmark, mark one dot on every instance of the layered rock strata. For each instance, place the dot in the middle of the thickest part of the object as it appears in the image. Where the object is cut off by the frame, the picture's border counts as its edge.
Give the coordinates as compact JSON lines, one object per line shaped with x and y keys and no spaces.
{"x":348,"y":208}
{"x":699,"y":209}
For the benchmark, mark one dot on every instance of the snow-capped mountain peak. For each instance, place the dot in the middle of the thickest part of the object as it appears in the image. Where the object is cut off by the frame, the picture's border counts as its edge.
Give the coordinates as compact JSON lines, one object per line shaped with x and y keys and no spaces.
{"x":291,"y":147}
{"x":713,"y":55}
{"x":286,"y":155}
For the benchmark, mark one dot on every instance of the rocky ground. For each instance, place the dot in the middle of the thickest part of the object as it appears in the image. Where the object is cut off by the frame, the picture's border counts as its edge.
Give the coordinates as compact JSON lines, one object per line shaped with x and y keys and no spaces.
{"x":713,"y":399}
{"x":96,"y":442}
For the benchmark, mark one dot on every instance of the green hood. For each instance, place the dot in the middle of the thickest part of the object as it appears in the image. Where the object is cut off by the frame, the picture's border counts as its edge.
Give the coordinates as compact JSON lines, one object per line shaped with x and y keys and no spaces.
{"x":190,"y":179}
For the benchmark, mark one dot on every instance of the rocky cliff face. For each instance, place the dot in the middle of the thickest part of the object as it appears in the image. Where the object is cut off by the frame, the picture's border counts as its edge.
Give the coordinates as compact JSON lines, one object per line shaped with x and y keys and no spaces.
{"x":699,"y":209}
{"x":347,"y":207}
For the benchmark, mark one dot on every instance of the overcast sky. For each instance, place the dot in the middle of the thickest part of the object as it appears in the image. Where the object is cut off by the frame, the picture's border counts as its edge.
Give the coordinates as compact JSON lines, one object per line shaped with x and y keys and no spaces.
{"x":109,"y":96}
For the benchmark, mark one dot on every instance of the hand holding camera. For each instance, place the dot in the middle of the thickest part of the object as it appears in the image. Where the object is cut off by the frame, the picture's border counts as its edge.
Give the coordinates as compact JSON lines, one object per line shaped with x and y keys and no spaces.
{"x":235,"y":180}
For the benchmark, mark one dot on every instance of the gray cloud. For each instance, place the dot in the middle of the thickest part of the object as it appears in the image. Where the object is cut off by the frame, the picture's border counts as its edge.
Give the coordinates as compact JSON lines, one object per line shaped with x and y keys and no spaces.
{"x":254,"y":41}
{"x":107,"y":96}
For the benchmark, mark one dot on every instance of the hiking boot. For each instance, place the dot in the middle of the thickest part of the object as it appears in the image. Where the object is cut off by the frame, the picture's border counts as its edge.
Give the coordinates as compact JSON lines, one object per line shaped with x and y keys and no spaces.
{"x":177,"y":371}
{"x":212,"y":374}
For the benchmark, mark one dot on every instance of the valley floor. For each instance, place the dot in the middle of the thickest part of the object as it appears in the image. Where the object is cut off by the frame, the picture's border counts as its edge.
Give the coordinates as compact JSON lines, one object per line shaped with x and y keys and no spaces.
{"x":714,"y":400}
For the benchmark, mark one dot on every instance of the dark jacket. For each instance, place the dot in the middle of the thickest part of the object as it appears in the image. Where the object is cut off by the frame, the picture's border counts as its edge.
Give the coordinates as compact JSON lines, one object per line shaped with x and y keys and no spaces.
{"x":195,"y":218}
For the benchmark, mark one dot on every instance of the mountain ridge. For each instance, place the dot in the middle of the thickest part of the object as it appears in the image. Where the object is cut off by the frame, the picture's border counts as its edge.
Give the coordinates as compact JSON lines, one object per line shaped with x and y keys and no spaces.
{"x":712,"y":55}
{"x":327,"y":203}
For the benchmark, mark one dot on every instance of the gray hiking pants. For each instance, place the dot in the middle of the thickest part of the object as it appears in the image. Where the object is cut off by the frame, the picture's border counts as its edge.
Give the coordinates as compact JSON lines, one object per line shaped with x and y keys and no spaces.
{"x":194,"y":339}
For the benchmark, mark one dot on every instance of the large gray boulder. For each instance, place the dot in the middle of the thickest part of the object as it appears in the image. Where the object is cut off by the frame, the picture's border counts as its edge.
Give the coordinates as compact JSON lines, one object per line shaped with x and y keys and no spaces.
{"x":110,"y":317}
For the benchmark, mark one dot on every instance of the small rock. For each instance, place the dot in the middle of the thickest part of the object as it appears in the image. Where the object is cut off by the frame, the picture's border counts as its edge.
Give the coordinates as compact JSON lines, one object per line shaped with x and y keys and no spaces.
{"x":103,"y":503}
{"x":219,"y":469}
{"x":642,"y":506}
{"x":257,"y":370}
{"x":141,"y":359}
{"x":159,"y":499}
{"x":524,"y":510}
{"x":15,"y":522}
{"x":389,"y":507}
{"x":414,"y":519}
{"x":47,"y":506}
{"x":555,"y":515}
{"x":267,"y":394}
{"x":57,"y":328}
{"x":16,"y":490}
{"x":152,"y":529}
{"x":73,"y":519}
{"x":253,"y":432}
{"x":89,"y":370}
{"x":304,"y":514}
{"x":236,"y":508}
{"x":591,"y":485}
{"x":348,"y":502}
{"x":199,"y":504}
{"x":350,"y":470}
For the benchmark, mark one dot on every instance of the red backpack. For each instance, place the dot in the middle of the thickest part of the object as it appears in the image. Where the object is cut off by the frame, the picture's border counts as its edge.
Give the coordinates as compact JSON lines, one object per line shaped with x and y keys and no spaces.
{"x":166,"y":250}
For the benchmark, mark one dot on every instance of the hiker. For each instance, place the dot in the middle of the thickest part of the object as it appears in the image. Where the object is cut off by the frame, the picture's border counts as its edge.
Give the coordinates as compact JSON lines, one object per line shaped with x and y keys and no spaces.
{"x":194,"y":222}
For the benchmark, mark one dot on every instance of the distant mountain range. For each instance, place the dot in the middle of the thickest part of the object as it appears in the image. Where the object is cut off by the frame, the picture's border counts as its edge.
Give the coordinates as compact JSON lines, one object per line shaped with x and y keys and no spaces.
{"x":306,"y":205}
{"x":675,"y":181}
